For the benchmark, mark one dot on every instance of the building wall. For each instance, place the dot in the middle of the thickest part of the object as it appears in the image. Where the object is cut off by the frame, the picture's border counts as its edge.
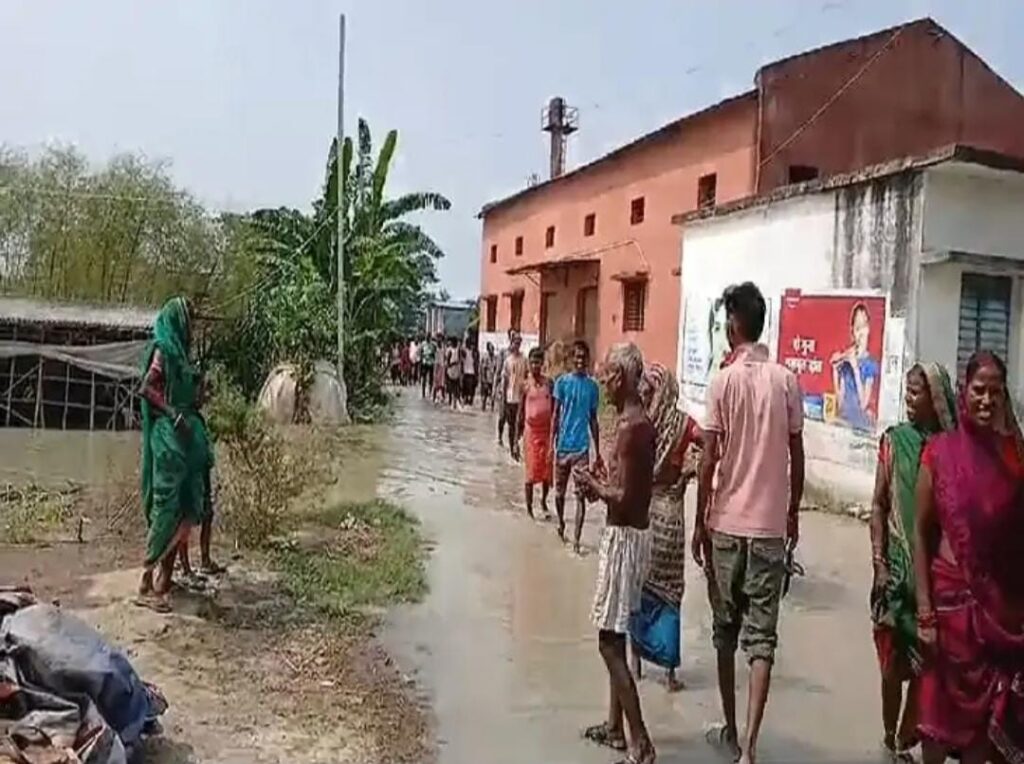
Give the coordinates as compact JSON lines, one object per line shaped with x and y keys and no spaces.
{"x":926,"y":90}
{"x":664,"y":172}
{"x":891,"y":236}
{"x":976,"y":212}
{"x":861,"y":239}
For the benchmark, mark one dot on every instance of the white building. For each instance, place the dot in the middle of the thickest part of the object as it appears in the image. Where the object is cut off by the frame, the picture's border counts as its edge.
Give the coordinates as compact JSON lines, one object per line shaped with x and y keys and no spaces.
{"x":930,"y":247}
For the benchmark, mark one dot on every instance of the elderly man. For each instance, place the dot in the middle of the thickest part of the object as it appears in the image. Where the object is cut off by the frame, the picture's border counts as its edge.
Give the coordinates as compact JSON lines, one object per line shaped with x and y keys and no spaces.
{"x":625,"y":547}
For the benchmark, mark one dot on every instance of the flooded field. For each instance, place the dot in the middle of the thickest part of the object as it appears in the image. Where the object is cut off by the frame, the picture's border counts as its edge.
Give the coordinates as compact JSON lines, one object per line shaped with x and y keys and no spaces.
{"x":50,"y":457}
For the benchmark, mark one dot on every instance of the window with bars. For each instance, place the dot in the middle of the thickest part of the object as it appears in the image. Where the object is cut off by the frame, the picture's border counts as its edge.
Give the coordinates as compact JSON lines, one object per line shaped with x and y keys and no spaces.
{"x":984,"y":317}
{"x":519,"y":245}
{"x":494,"y":253}
{"x":491,"y":316}
{"x":633,"y":298}
{"x":637,"y":211}
{"x":589,"y":224}
{"x":549,"y":237}
{"x":707,"y":191}
{"x":516,"y":321}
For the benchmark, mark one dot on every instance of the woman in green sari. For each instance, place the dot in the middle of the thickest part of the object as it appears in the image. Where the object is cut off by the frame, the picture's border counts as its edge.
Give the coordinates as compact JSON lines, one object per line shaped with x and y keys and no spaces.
{"x":931,"y":409}
{"x":175,"y":450}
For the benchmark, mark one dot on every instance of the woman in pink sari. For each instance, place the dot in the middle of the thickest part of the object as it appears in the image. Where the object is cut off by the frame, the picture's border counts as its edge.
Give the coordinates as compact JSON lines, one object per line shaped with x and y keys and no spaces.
{"x":969,"y":565}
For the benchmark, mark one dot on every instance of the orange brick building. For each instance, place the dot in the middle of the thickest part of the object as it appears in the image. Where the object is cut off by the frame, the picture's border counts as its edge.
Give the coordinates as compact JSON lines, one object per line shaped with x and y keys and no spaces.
{"x":594,"y":253}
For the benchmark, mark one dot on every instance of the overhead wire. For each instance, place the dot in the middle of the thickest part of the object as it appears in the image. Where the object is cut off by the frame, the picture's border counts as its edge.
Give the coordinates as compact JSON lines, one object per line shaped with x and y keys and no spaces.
{"x":834,"y":97}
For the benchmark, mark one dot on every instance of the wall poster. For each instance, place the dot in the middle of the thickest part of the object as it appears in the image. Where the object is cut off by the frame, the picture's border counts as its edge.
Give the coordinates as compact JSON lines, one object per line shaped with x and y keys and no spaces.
{"x":833,"y":343}
{"x":705,"y":345}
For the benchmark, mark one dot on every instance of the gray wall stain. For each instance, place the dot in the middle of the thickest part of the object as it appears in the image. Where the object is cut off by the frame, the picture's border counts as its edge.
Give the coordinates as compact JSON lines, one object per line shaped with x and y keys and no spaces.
{"x":875,"y":221}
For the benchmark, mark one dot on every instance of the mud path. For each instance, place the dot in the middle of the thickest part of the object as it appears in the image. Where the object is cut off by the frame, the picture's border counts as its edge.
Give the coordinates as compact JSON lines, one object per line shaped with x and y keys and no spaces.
{"x":504,"y":650}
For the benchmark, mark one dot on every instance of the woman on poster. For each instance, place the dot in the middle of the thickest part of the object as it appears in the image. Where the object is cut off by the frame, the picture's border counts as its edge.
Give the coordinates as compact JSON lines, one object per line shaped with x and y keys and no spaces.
{"x":855,"y":374}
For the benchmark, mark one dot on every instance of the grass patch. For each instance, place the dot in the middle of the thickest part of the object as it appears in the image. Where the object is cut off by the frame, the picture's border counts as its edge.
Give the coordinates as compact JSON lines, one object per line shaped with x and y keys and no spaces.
{"x":362,"y":555}
{"x":32,"y":513}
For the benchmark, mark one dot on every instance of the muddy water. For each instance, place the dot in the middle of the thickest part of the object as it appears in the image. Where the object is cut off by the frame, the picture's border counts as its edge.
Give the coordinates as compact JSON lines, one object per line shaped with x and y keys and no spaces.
{"x":504,"y":650}
{"x":53,"y":456}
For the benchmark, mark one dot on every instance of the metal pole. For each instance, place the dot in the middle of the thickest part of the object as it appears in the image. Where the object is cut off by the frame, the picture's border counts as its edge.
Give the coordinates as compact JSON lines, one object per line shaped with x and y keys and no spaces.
{"x":341,"y":219}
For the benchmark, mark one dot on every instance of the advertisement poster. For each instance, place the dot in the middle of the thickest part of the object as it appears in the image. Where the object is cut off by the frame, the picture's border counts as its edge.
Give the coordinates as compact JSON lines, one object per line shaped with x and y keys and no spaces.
{"x":705,"y":344}
{"x":833,"y":343}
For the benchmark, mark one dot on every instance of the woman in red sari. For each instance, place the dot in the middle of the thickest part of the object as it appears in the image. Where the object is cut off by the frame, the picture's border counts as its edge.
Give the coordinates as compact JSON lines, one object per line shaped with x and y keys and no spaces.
{"x":969,"y":565}
{"x":536,"y":407}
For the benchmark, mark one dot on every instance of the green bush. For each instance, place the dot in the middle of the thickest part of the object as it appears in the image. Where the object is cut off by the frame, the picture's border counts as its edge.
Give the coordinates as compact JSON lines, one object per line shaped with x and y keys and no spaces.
{"x":258,"y":473}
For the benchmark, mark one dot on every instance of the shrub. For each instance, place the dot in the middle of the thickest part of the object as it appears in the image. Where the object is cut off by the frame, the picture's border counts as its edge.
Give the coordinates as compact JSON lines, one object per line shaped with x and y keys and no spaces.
{"x":257,"y":472}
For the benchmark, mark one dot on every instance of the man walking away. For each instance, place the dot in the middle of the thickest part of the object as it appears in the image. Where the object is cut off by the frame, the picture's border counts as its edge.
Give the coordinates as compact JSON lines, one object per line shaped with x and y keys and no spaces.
{"x":440,"y":370}
{"x":745,"y":532}
{"x":501,"y":391}
{"x":415,"y":348}
{"x":453,"y":372}
{"x":470,"y":364}
{"x":625,"y":548}
{"x":514,"y":373}
{"x":575,"y":423}
{"x":428,"y":352}
{"x":488,"y":372}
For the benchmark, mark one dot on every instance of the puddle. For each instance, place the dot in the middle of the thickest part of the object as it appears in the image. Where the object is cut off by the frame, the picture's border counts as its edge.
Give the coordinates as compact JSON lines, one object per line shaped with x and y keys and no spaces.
{"x":504,"y":649}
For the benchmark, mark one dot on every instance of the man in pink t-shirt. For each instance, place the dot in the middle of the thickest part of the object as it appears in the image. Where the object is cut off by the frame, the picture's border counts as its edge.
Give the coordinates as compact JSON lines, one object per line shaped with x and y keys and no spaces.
{"x":754,"y":458}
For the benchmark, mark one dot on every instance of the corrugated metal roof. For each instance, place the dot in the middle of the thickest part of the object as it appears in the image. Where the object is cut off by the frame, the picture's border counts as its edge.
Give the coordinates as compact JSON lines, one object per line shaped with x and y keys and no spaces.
{"x":18,"y":310}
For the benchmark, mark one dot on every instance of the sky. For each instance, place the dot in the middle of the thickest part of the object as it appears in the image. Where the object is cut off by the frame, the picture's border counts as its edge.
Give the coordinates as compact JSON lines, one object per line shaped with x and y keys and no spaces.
{"x":240,"y":96}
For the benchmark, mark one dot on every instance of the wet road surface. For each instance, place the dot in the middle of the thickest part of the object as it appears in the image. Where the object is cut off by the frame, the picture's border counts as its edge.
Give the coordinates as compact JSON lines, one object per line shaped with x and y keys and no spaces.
{"x":504,"y":650}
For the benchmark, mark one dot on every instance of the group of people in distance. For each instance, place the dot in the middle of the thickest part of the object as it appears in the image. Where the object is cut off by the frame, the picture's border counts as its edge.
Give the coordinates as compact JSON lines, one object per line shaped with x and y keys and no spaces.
{"x":947,"y":534}
{"x":447,"y":369}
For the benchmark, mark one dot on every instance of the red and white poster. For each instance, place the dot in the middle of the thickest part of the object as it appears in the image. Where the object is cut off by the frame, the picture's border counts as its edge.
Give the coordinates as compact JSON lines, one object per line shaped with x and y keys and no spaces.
{"x":833,"y":343}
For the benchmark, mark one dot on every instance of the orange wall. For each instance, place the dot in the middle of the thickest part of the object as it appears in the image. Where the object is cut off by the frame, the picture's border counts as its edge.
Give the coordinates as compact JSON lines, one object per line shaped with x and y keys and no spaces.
{"x":665,"y":172}
{"x":924,"y":92}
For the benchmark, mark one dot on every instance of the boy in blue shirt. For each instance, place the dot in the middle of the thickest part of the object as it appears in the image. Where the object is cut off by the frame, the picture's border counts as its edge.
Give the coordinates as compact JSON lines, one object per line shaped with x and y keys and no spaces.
{"x":574,"y":425}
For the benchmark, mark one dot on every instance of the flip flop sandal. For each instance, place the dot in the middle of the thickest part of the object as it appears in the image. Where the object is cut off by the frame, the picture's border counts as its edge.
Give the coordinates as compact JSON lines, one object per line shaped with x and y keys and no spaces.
{"x":601,"y":735}
{"x":194,"y":583}
{"x":716,"y":735}
{"x":631,"y":759}
{"x":152,"y":603}
{"x":899,"y":755}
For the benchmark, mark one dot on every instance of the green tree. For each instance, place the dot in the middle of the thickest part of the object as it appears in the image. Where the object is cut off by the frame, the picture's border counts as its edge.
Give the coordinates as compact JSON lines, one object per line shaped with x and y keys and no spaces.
{"x":122,"y":233}
{"x":389,"y":264}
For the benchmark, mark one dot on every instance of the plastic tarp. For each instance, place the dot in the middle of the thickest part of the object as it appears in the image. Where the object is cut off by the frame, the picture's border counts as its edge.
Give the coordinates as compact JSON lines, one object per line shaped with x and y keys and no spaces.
{"x":117,"y":360}
{"x":279,"y":395}
{"x":65,"y":694}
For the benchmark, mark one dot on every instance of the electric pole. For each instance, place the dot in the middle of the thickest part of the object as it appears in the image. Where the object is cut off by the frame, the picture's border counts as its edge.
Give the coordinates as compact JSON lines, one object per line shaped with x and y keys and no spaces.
{"x":341,"y":220}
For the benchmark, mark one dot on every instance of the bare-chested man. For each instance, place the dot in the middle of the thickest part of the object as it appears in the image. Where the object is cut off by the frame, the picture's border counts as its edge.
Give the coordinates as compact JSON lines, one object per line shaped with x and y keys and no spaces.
{"x":625,"y":547}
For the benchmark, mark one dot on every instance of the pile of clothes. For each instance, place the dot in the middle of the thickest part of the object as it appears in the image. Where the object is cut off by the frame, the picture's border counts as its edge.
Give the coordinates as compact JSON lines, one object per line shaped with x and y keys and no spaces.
{"x":66,"y":695}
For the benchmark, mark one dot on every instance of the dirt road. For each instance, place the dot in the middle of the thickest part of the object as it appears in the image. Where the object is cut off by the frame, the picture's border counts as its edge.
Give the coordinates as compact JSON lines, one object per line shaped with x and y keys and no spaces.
{"x":503,"y":649}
